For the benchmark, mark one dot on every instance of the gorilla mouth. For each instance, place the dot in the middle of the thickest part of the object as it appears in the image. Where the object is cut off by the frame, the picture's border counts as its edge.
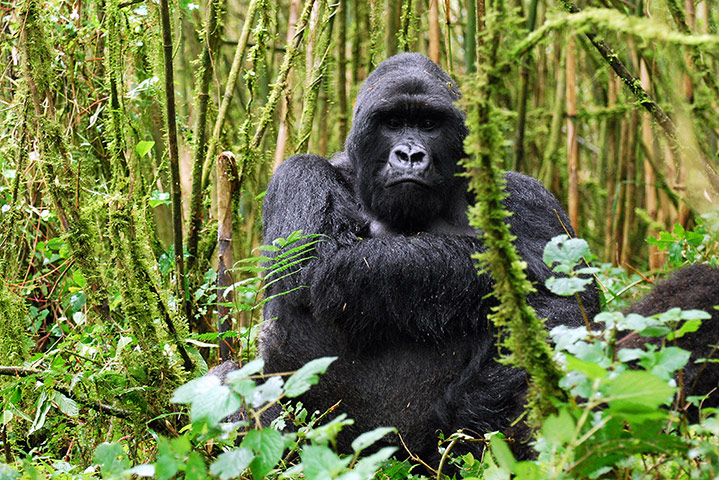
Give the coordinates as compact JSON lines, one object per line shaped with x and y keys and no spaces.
{"x":408,"y":181}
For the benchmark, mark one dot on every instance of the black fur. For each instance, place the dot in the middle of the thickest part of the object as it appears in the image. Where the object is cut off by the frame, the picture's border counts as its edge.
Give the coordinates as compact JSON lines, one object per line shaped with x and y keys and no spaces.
{"x":695,"y":287}
{"x":392,"y":290}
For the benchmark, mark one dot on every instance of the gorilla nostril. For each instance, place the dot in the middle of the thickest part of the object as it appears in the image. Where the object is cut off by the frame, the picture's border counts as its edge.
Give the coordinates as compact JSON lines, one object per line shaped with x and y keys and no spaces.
{"x":409,"y":156}
{"x":402,"y":155}
{"x":417,"y":157}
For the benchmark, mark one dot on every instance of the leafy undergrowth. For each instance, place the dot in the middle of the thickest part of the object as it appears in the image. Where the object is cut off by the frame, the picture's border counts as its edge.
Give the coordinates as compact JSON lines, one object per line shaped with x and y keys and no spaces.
{"x":624,"y":417}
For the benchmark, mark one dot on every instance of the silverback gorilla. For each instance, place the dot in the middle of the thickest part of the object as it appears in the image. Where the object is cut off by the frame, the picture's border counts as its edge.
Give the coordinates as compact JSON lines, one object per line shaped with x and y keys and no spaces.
{"x":392,"y":289}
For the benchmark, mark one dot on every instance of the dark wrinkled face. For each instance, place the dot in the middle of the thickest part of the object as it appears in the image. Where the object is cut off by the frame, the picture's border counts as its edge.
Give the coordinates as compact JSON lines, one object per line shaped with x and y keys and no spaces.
{"x":408,"y":168}
{"x":406,"y":155}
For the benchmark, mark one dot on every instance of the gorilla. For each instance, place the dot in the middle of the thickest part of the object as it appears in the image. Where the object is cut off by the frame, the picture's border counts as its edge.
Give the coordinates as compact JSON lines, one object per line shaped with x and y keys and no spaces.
{"x":392,"y":288}
{"x":695,"y":287}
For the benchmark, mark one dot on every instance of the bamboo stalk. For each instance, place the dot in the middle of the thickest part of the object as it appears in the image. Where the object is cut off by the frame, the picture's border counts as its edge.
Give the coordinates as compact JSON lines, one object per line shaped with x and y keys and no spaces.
{"x":523,"y":92}
{"x":656,"y":258}
{"x":612,"y":164}
{"x":281,"y":83}
{"x":240,"y":51}
{"x":630,"y":186}
{"x":173,"y":152}
{"x":434,"y":32}
{"x":314,"y":79}
{"x":470,"y":38}
{"x":572,"y":144}
{"x":209,"y":46}
{"x":448,"y":37}
{"x":282,"y":130}
{"x":392,"y":26}
{"x":226,"y":186}
{"x":343,"y":114}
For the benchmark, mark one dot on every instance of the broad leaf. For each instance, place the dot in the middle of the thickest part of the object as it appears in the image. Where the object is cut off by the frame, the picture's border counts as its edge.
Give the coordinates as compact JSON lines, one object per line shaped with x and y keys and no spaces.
{"x":210,"y":401}
{"x":268,"y":445}
{"x":369,"y":438}
{"x":636,"y":391}
{"x":307,"y":376}
{"x":231,"y":464}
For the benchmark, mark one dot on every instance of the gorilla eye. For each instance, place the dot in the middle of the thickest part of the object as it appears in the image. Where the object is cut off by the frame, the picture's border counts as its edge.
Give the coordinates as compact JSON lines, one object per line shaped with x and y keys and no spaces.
{"x":393,"y":123}
{"x":428,"y":125}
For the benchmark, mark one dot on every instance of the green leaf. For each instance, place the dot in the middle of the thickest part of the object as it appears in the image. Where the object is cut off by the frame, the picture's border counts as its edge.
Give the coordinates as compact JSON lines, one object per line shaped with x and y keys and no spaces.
{"x":144,"y":147}
{"x":636,"y":391}
{"x":159,"y":198}
{"x":667,"y":361}
{"x":195,"y":468}
{"x":368,"y":466}
{"x":323,"y":434}
{"x":591,"y":370}
{"x":321,"y":463}
{"x":269,"y":391}
{"x":112,"y":459}
{"x":7,"y":473}
{"x":690,"y":326}
{"x":248,"y":369}
{"x":231,"y":464}
{"x":268,"y":445}
{"x":566,"y":286}
{"x":502,"y":453}
{"x":79,"y":278}
{"x":369,"y":438}
{"x":558,"y":429}
{"x":209,"y":399}
{"x":141,"y":471}
{"x":307,"y":376}
{"x":166,"y":462}
{"x":7,"y":417}
{"x":66,"y":405}
{"x":562,"y":253}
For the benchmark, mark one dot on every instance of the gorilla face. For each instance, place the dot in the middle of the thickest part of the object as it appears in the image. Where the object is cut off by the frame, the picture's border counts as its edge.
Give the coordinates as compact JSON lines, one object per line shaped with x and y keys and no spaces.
{"x":405,"y":145}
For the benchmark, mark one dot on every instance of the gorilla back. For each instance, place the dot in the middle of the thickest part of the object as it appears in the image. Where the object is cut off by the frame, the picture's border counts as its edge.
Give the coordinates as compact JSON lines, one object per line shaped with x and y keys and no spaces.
{"x":392,"y":289}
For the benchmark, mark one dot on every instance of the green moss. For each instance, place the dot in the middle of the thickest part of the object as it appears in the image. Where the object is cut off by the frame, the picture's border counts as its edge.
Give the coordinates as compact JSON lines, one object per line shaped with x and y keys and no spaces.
{"x":521,"y":333}
{"x":14,"y":344}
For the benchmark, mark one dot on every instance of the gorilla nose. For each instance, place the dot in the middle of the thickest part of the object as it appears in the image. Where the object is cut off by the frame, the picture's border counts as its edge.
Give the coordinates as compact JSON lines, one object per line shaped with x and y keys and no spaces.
{"x":409,"y":156}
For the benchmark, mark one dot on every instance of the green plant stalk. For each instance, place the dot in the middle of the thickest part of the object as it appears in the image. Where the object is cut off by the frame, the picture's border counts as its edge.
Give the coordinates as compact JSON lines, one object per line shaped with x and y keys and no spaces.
{"x":209,"y":47}
{"x":281,"y":83}
{"x":316,"y":77}
{"x":448,"y":37}
{"x":229,"y":88}
{"x":523,"y":92}
{"x":116,"y":123}
{"x":141,"y":306}
{"x":470,"y":38}
{"x":520,"y":331}
{"x":376,"y":15}
{"x":173,"y":152}
{"x":342,"y":69}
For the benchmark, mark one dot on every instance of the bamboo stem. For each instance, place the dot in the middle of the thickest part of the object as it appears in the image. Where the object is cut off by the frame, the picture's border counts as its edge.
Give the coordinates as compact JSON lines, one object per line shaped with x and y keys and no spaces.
{"x":226,"y":186}
{"x":523,"y":92}
{"x":173,"y":152}
{"x":572,"y":143}
{"x":229,"y":88}
{"x":434,"y":32}
{"x":209,"y":46}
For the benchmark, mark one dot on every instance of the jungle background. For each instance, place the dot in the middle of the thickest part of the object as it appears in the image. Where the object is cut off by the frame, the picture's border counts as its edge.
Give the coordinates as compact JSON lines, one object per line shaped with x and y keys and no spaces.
{"x":138,"y":137}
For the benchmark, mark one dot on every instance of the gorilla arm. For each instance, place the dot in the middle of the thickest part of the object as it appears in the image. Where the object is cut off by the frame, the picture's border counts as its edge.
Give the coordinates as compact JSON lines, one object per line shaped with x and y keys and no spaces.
{"x":418,"y":286}
{"x":425,"y":287}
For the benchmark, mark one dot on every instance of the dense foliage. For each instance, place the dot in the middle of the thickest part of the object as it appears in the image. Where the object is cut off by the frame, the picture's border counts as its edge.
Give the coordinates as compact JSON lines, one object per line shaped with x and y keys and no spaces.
{"x":115,"y":114}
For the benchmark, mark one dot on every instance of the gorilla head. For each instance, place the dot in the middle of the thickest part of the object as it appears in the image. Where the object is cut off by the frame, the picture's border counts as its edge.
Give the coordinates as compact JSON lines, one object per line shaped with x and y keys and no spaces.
{"x":405,"y":144}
